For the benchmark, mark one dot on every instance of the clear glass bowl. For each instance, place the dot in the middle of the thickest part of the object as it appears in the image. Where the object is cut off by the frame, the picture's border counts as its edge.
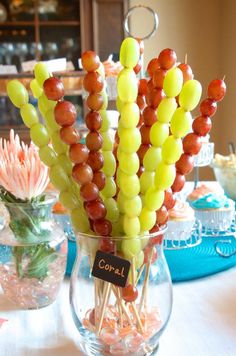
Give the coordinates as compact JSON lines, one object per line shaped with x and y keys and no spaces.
{"x":108,"y":324}
{"x":226,"y":176}
{"x":33,"y":253}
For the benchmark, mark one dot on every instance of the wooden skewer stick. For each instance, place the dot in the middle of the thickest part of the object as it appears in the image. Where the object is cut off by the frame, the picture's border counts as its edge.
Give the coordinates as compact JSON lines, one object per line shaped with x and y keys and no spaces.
{"x":145,"y":284}
{"x":106,"y":294}
{"x":186,"y":58}
{"x":140,"y":325}
{"x":139,"y":274}
{"x":120,"y":308}
{"x":96,"y":301}
{"x":119,"y":300}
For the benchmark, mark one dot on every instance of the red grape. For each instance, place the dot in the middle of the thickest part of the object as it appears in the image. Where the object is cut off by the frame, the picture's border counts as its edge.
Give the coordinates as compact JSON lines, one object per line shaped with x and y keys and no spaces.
{"x":142,"y":87}
{"x":217,"y":89}
{"x":93,"y":121}
{"x":95,"y":160}
{"x":99,"y":179}
{"x":178,"y":184}
{"x":96,"y":210}
{"x":102,"y":227}
{"x":140,"y":120}
{"x":93,"y":82}
{"x":154,"y":97}
{"x":169,"y":200}
{"x":94,"y":141}
{"x":53,"y":88}
{"x":69,"y":135}
{"x":137,"y":68}
{"x":155,"y":240}
{"x":145,"y":134}
{"x":94,"y":101}
{"x":208,"y":107}
{"x":149,"y":85}
{"x":167,"y":58}
{"x":90,"y":61}
{"x":141,"y":170}
{"x":141,"y":45}
{"x":147,"y":254}
{"x":162,"y":216}
{"x":185,"y":164}
{"x":142,"y":151}
{"x":82,"y":173}
{"x":202,"y":125}
{"x":141,"y":102}
{"x":149,"y":116}
{"x":153,"y":65}
{"x":89,"y":192}
{"x":78,"y":153}
{"x":158,"y":78}
{"x":192,"y":144}
{"x":65,"y":113}
{"x":107,"y":245}
{"x":186,"y":70}
{"x":129,"y":293}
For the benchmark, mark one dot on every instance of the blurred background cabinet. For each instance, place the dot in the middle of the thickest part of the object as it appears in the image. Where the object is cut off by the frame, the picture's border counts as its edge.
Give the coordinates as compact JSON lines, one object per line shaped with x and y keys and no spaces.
{"x":49,"y":29}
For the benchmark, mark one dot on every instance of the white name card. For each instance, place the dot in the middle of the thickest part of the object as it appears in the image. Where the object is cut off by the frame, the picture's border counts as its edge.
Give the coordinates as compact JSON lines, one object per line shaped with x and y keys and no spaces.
{"x":56,"y":65}
{"x":7,"y":69}
{"x":28,"y":66}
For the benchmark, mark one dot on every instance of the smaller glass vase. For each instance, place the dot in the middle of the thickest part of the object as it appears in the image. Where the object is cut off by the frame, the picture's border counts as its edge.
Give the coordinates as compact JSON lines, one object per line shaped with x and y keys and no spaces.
{"x":112,"y":320}
{"x":33,"y":252}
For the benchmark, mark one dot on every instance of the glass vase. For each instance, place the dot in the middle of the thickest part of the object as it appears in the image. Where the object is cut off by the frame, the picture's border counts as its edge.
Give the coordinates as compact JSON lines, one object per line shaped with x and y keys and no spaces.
{"x":115,"y":320}
{"x":33,"y":252}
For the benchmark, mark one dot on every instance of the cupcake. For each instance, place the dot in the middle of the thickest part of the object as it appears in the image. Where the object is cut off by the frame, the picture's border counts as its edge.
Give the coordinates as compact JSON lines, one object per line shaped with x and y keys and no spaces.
{"x":181,"y":221}
{"x":200,"y":192}
{"x":216,"y":212}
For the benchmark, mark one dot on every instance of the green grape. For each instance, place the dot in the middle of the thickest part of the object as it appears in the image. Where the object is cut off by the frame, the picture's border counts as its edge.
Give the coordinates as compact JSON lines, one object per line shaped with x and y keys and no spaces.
{"x":48,"y":156}
{"x":121,"y":198}
{"x":39,"y":135}
{"x":144,"y":240}
{"x":109,"y":165}
{"x":130,"y":276}
{"x":181,"y":123}
{"x":130,"y":140}
{"x":118,"y":175}
{"x":17,"y":93}
{"x":35,"y":88}
{"x":147,"y":219}
{"x":105,"y":99}
{"x":117,"y":230}
{"x":152,"y":158}
{"x":146,"y":180}
{"x":106,"y":122}
{"x":129,"y":52}
{"x":29,"y":115}
{"x":131,"y":226}
{"x":107,"y":138}
{"x":165,"y":176}
{"x":41,"y":73}
{"x":69,"y":200}
{"x":120,"y":129}
{"x":59,"y":178}
{"x":119,"y":104}
{"x":109,"y":190}
{"x":154,"y":198}
{"x":129,"y":163}
{"x":129,"y":185}
{"x":172,"y":149}
{"x":74,"y":187}
{"x":112,"y":209}
{"x":139,"y":259}
{"x":59,"y":146}
{"x":44,"y":104}
{"x":127,"y":87}
{"x":65,"y":163}
{"x":190,"y":95}
{"x":50,"y":121}
{"x":133,"y":207}
{"x":129,"y":115}
{"x":173,"y":82}
{"x":79,"y":220}
{"x":130,"y":248}
{"x":166,"y":109}
{"x":159,"y":133}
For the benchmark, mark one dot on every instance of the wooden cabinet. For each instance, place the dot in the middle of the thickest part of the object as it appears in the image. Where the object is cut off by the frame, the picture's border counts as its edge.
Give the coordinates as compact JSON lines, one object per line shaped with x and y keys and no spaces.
{"x":66,"y":29}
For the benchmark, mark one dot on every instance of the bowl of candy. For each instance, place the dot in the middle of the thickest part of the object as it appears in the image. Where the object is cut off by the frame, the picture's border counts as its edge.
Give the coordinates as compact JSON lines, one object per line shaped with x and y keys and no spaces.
{"x":224,"y":168}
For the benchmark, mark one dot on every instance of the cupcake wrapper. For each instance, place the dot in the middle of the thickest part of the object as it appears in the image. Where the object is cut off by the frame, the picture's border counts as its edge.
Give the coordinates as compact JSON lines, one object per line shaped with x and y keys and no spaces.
{"x":216,"y":219}
{"x":179,"y":230}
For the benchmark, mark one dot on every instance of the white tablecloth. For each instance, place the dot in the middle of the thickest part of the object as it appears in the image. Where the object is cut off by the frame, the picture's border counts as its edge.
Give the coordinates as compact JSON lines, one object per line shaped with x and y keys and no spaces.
{"x":203,"y":323}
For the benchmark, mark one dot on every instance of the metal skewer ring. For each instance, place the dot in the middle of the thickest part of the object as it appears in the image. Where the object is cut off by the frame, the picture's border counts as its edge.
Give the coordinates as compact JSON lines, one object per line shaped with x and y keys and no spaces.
{"x":155,"y":21}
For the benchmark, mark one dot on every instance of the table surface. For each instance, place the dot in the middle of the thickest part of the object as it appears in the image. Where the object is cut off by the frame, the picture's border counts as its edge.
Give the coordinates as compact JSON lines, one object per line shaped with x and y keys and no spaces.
{"x":203,"y":323}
